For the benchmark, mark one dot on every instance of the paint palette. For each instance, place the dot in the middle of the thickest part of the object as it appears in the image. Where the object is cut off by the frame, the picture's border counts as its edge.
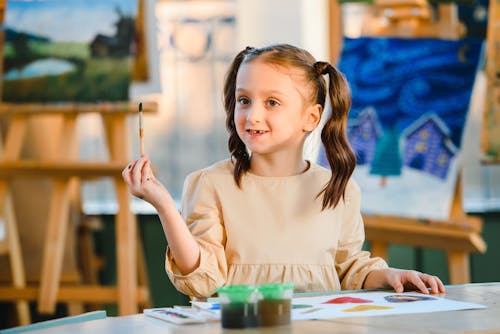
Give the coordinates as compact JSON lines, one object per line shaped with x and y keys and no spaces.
{"x":175,"y":315}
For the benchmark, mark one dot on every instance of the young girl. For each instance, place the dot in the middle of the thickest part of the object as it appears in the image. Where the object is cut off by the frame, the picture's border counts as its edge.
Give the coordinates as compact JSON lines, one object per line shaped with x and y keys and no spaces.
{"x":266,"y":214}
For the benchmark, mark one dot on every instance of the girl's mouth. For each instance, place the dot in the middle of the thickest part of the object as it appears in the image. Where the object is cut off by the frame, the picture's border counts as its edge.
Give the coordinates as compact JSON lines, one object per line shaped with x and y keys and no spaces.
{"x":256,"y":132}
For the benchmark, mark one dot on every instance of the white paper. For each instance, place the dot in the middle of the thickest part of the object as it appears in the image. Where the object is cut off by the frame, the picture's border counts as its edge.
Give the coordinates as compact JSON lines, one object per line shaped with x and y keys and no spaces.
{"x":366,"y":304}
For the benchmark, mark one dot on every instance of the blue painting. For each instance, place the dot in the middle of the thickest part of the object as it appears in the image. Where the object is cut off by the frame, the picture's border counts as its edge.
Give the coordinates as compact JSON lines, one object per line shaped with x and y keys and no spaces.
{"x":60,"y":50}
{"x":410,"y":105}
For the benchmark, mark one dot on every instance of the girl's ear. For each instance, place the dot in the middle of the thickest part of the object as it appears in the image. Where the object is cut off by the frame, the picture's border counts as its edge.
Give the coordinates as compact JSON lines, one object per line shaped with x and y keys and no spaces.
{"x":312,"y":117}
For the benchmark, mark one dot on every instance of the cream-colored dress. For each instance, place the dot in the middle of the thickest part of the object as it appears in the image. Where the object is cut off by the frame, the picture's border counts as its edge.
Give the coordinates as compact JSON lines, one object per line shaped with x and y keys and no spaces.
{"x":271,"y":230}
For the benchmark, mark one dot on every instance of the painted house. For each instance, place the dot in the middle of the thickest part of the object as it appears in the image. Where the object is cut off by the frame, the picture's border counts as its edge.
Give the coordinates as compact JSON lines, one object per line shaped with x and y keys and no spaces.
{"x":428,"y":146}
{"x":363,"y":132}
{"x":118,"y":45}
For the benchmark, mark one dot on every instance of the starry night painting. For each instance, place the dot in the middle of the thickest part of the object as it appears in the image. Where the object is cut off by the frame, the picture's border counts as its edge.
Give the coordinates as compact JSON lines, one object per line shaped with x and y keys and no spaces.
{"x":410,"y":104}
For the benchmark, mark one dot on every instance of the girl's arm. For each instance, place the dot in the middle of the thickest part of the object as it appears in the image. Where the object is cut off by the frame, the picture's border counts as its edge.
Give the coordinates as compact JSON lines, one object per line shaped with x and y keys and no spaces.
{"x":185,"y":250}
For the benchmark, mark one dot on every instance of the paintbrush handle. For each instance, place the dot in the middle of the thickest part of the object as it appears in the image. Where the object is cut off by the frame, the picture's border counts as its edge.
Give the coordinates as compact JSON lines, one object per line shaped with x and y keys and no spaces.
{"x":141,"y":130}
{"x":141,"y":141}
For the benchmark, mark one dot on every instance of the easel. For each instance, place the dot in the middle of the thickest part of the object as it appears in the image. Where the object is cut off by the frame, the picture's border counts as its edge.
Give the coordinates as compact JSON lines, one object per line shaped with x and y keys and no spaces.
{"x":413,"y":18}
{"x":460,"y":235}
{"x":491,"y":123}
{"x":64,"y":169}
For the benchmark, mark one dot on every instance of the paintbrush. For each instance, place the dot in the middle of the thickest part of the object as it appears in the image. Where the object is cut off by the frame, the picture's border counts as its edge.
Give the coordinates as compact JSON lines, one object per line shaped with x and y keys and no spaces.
{"x":141,"y":130}
{"x":141,"y":137}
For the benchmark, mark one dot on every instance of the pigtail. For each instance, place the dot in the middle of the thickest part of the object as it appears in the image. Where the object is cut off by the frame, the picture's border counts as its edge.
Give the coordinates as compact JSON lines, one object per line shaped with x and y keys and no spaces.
{"x":339,"y":153}
{"x":237,"y":148}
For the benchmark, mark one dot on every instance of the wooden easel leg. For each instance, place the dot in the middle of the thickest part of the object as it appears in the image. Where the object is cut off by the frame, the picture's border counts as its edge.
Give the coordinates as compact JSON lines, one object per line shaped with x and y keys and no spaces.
{"x":11,"y":151}
{"x":75,"y":308}
{"x":89,"y":262}
{"x":458,"y":267}
{"x":143,"y":279}
{"x":126,"y":229}
{"x":16,"y":262}
{"x":126,"y":252}
{"x":379,"y":249}
{"x":54,"y":247}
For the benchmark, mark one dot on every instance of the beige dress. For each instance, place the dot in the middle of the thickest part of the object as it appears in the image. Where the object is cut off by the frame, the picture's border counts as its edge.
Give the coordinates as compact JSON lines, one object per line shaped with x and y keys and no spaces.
{"x":271,"y":230}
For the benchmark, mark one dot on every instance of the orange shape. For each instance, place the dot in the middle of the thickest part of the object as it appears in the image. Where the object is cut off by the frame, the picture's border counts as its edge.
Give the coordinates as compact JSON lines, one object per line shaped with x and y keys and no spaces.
{"x":363,"y":308}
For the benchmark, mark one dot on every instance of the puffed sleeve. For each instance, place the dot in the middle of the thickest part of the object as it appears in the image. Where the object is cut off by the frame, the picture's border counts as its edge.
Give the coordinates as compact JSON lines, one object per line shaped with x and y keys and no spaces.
{"x":201,"y":211}
{"x":352,"y":263}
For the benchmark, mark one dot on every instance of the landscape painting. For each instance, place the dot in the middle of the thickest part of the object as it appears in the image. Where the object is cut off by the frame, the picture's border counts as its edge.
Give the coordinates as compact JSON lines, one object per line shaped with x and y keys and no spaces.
{"x":410,"y":104}
{"x":68,"y":51}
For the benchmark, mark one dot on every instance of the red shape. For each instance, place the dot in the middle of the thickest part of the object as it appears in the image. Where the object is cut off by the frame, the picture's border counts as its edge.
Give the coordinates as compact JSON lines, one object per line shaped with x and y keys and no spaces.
{"x":345,"y":300}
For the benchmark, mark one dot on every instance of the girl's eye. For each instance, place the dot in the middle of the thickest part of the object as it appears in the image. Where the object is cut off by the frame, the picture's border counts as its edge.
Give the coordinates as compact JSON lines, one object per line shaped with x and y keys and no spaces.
{"x":243,"y":100}
{"x":273,"y":103}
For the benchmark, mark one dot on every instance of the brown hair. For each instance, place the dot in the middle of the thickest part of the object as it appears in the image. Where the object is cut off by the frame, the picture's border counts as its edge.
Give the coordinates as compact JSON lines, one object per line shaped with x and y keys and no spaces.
{"x":338,"y":151}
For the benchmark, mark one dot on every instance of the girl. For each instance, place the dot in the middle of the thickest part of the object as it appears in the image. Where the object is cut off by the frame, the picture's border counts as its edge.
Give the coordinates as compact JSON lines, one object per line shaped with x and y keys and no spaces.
{"x":266,"y":214}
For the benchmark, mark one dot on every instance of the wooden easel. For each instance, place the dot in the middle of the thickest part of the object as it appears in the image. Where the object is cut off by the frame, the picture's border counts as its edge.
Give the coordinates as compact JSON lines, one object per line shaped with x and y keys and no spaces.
{"x":491,"y":121}
{"x":460,"y":235}
{"x":414,"y":18}
{"x":63,"y":168}
{"x":11,"y":245}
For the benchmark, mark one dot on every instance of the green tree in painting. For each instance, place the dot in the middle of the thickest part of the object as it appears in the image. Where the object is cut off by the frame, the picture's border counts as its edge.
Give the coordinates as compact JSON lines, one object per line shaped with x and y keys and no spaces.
{"x":21,"y":47}
{"x":387,"y":159}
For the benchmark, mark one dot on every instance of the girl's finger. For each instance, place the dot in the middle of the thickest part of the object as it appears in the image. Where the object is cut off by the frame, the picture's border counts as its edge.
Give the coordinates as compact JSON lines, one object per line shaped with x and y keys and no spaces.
{"x":146,"y":171}
{"x":127,"y":172}
{"x":137,"y":170}
{"x":441,"y":288}
{"x":395,"y":282}
{"x":431,"y":283}
{"x":417,"y":281}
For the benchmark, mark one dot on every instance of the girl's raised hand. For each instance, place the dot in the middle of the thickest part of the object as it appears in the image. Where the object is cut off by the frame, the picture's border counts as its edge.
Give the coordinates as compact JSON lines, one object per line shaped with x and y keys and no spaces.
{"x":139,"y":177}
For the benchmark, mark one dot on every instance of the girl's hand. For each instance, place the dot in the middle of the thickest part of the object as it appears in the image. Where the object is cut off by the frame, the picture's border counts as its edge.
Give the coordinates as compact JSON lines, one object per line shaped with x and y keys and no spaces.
{"x":401,"y":280}
{"x":139,"y":177}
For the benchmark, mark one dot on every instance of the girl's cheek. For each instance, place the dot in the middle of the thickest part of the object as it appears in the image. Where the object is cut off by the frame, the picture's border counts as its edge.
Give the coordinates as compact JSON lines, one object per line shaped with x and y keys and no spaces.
{"x":239,"y":117}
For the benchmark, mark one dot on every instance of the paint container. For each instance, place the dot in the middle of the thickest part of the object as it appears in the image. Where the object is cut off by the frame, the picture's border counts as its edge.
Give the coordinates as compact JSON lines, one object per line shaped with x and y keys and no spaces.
{"x":238,"y":306}
{"x":275,"y":304}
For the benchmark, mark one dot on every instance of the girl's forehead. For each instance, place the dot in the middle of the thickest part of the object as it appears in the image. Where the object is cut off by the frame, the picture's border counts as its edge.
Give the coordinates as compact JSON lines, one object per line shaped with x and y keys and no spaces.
{"x":269,"y":73}
{"x":294,"y":72}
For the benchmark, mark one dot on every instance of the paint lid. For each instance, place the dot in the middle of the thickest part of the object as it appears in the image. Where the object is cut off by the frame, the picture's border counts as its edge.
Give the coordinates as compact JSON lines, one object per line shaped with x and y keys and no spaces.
{"x":276,"y":290}
{"x":237,"y":294}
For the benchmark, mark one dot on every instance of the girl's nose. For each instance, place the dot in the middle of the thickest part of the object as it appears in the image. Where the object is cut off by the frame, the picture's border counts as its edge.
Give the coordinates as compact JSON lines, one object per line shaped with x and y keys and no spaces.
{"x":254,"y":114}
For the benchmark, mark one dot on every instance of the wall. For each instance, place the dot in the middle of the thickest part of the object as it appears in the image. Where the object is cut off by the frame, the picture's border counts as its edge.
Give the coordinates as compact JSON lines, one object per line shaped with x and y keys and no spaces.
{"x":303,"y":23}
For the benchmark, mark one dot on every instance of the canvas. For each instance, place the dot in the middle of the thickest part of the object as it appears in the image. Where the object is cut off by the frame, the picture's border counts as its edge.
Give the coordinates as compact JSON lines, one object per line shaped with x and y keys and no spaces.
{"x":68,"y":51}
{"x":410,"y":102}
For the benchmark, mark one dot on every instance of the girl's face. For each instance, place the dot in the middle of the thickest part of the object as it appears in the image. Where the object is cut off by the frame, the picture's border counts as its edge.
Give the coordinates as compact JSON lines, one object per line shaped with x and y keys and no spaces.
{"x":272,"y":112}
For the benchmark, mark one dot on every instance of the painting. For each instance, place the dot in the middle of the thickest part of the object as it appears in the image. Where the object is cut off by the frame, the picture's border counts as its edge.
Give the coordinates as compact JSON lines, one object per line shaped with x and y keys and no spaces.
{"x":373,"y":304}
{"x":60,"y":51}
{"x":360,"y":304}
{"x":410,"y":104}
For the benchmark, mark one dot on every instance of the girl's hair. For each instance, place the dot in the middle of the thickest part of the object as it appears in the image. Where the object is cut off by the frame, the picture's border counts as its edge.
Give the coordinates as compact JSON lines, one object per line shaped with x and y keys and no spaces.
{"x":338,"y":151}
